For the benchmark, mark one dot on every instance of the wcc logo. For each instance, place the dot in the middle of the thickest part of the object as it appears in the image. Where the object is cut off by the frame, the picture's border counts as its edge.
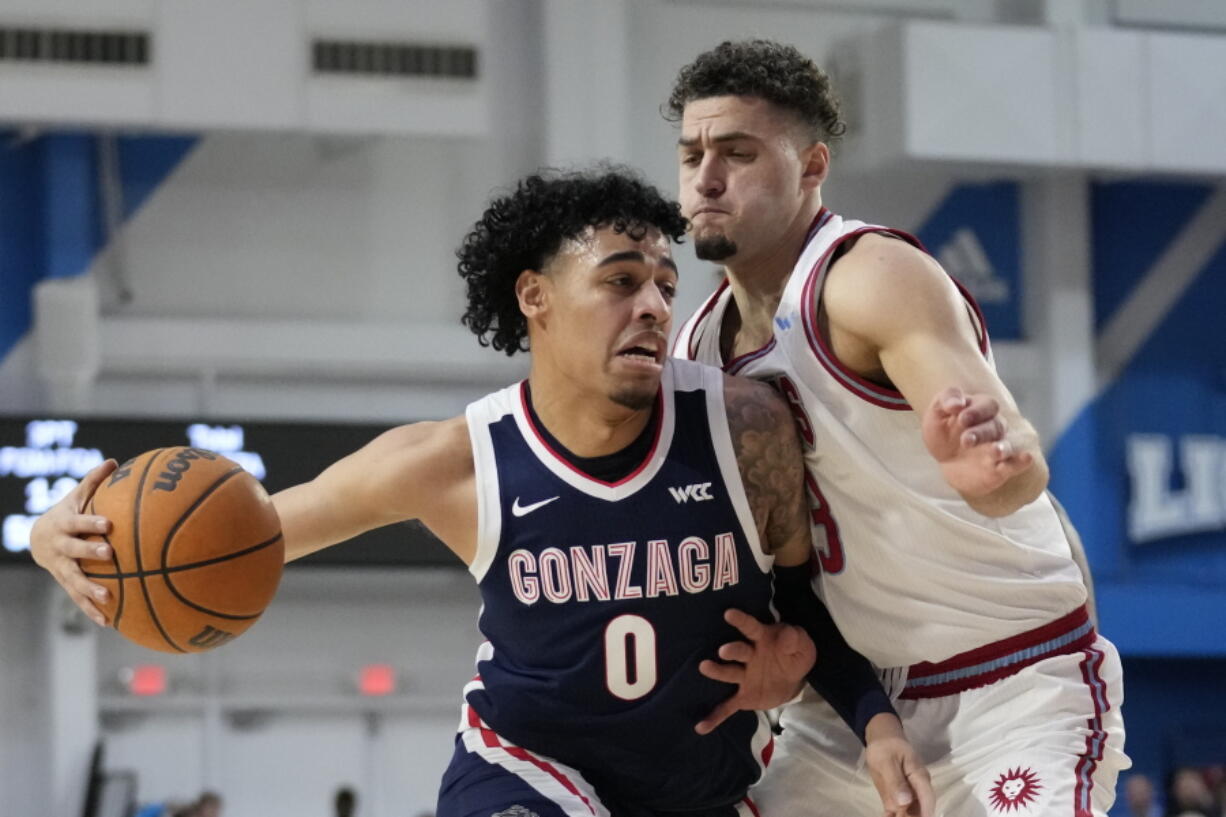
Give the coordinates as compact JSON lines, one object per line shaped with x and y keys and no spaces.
{"x":699,"y":492}
{"x":1015,"y":789}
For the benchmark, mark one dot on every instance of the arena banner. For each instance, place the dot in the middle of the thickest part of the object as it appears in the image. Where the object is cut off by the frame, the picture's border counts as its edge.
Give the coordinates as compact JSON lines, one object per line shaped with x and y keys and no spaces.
{"x":1142,"y":469}
{"x":975,"y":232}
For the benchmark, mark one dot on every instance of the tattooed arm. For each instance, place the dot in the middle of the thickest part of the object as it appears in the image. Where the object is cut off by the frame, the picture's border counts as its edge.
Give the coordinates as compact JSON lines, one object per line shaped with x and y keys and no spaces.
{"x":769,"y":666}
{"x":772,"y":468}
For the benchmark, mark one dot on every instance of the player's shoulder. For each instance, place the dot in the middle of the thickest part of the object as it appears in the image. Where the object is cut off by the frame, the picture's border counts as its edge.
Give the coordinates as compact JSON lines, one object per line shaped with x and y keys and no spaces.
{"x":878,"y":257}
{"x":752,"y":404}
{"x":882,"y":277}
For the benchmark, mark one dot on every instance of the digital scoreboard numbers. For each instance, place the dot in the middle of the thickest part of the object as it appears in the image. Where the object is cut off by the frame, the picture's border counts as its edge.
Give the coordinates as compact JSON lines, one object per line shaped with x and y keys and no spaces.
{"x":42,"y":460}
{"x":46,"y":466}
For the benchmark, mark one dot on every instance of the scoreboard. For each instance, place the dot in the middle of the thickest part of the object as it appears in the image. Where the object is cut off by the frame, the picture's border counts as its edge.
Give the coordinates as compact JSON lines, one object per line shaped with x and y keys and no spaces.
{"x":42,"y":459}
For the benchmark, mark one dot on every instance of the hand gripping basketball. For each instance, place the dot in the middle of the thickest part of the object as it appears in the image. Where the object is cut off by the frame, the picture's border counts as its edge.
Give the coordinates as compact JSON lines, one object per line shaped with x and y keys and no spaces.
{"x":196,"y":551}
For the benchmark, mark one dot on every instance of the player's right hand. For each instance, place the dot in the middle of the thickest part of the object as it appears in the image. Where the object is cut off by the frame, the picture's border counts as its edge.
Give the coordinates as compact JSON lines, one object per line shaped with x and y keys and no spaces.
{"x":968,"y":437}
{"x":768,"y":667}
{"x":57,"y":541}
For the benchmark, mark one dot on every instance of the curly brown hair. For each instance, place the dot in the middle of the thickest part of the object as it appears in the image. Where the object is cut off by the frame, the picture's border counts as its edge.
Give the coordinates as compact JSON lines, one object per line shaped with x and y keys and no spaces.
{"x":525,"y":228}
{"x":778,"y":73}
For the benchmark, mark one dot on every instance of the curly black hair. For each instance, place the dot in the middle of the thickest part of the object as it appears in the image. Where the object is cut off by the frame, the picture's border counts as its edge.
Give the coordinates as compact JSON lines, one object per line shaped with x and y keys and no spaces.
{"x":768,"y":70}
{"x":524,"y":229}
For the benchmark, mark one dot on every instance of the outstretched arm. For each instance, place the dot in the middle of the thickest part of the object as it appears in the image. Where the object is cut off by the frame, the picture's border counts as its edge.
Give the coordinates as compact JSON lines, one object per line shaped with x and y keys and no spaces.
{"x":420,"y":471}
{"x":895,"y":317}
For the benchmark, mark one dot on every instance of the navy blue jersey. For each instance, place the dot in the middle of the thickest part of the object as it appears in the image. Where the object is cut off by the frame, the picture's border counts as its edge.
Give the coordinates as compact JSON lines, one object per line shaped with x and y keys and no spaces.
{"x":600,"y":600}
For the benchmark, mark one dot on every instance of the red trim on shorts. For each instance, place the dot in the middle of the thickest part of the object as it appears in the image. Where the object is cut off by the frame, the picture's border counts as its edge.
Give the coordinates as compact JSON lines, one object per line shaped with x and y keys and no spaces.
{"x":655,"y":441}
{"x":493,"y":741}
{"x":1096,"y":738}
{"x":1064,"y":625}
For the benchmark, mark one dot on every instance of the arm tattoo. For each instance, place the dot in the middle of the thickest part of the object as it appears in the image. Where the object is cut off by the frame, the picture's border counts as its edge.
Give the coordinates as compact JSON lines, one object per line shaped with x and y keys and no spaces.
{"x":769,"y":457}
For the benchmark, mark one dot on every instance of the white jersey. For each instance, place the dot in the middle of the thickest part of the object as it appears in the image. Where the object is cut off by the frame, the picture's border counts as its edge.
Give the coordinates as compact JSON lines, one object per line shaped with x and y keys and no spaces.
{"x":910,"y":572}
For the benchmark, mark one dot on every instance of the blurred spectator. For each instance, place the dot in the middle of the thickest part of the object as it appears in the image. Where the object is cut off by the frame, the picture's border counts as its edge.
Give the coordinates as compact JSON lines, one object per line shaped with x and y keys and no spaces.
{"x":209,"y":805}
{"x":346,"y":802}
{"x":1189,"y":795}
{"x":1139,"y":795}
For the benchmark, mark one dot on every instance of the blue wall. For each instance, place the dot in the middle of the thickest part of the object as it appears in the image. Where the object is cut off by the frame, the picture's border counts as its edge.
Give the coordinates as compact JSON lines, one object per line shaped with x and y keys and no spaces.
{"x":1159,"y":594}
{"x":51,"y":221}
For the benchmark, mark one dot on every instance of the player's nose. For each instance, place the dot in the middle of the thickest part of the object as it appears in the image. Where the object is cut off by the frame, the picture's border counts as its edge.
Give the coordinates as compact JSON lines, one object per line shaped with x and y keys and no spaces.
{"x":652,"y":305}
{"x":709,"y":180}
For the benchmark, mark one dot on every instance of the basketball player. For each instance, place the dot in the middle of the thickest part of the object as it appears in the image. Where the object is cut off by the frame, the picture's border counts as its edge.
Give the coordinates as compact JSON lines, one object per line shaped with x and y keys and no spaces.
{"x":611,"y":507}
{"x":952,"y":575}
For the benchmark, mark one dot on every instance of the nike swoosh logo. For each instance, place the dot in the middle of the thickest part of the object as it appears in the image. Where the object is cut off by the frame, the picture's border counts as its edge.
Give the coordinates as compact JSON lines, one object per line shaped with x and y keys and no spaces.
{"x":524,"y":510}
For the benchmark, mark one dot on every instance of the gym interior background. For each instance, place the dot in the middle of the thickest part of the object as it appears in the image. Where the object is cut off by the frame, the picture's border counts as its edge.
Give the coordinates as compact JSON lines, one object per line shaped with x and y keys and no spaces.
{"x":234,"y":223}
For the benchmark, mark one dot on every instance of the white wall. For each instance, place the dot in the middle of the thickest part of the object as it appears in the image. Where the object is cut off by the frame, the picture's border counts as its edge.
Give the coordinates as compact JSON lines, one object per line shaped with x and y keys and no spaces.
{"x":24,"y":747}
{"x":272,"y":721}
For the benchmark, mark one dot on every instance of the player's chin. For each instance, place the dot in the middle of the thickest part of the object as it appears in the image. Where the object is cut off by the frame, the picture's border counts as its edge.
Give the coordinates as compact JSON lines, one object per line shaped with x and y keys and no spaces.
{"x":636,"y":392}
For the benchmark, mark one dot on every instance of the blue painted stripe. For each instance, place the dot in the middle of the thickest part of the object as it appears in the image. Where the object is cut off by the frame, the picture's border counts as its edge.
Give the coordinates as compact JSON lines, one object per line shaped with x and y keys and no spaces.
{"x":1003,"y":661}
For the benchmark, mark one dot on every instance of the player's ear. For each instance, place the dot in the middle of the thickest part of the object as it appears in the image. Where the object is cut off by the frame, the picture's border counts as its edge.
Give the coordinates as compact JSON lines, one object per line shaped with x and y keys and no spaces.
{"x":531,"y":290}
{"x":816,"y":164}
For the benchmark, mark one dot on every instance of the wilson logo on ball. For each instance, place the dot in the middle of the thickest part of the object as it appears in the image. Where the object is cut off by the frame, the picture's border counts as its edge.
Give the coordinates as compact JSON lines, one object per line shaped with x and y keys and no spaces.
{"x":168,"y":480}
{"x":122,"y":471}
{"x":210,"y":637}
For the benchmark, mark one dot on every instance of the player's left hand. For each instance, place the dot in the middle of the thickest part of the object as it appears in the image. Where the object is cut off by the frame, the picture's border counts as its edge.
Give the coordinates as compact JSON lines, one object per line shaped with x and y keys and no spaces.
{"x":768,"y":667}
{"x":970,"y":439}
{"x":901,"y":779}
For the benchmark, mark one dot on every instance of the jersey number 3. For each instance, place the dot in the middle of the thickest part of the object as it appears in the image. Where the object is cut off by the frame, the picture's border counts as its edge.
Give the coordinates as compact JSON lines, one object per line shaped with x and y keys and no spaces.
{"x":630,"y":657}
{"x":831,"y":555}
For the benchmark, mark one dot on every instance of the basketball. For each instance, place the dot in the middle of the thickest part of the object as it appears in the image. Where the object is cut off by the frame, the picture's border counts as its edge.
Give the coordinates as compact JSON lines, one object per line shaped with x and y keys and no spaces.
{"x":196,"y":549}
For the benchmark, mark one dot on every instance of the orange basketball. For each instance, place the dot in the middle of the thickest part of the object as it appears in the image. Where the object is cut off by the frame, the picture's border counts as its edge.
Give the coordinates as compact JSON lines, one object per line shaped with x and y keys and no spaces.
{"x":197,"y":549}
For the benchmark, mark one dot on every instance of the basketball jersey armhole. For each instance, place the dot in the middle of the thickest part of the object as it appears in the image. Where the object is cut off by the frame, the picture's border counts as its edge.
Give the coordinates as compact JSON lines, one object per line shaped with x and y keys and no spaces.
{"x":867,"y":390}
{"x":685,"y":346}
{"x":485,"y":474}
{"x":725,"y":454}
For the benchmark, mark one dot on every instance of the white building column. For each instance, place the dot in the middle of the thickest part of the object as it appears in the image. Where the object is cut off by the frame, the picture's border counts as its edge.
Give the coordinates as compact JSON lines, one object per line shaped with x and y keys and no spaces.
{"x":1059,"y":301}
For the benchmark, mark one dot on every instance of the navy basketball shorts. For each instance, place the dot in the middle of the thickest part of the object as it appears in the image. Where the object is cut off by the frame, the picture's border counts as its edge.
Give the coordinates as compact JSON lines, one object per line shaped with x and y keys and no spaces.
{"x":490,"y":777}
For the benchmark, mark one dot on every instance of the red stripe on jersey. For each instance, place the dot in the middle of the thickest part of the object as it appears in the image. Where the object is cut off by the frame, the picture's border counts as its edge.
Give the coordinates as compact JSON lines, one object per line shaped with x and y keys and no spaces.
{"x":981,"y":323}
{"x":752,"y":807}
{"x":651,"y":452}
{"x":740,"y":361}
{"x":768,"y":752}
{"x":691,"y":348}
{"x":819,"y":220}
{"x":866,"y":389}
